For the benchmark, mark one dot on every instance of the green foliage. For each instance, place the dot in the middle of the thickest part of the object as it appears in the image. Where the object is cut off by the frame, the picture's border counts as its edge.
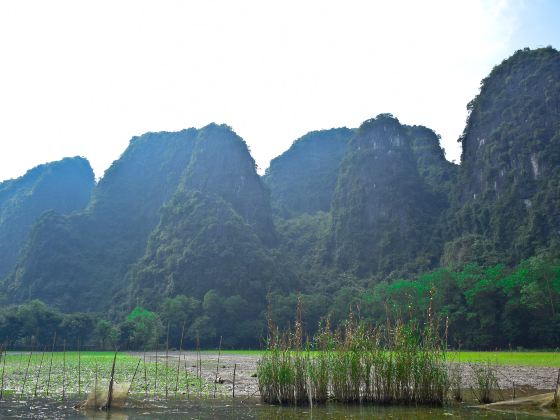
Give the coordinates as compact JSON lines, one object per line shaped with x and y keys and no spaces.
{"x":485,"y":308}
{"x":303,"y":179}
{"x":508,"y":189}
{"x":146,"y":329}
{"x":87,"y":254}
{"x":64,"y":186}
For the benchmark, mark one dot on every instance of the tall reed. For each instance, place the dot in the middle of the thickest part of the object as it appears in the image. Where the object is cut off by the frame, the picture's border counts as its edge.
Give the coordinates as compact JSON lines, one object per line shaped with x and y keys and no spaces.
{"x":390,"y":364}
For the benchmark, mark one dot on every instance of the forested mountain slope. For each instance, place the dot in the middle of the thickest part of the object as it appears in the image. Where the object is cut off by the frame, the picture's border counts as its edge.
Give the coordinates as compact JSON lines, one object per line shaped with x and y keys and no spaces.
{"x":509,"y":188}
{"x":78,"y":261}
{"x":182,"y":220}
{"x":63,"y":186}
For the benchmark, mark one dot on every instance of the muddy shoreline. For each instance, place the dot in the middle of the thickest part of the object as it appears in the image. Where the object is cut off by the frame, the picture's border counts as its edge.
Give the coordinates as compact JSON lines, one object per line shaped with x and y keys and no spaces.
{"x":527,"y":380}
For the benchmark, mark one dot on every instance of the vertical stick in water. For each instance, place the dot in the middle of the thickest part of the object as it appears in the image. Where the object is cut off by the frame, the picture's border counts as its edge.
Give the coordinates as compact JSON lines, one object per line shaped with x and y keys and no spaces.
{"x":107,"y":405}
{"x":95,"y":388}
{"x":145,"y":375}
{"x":234,"y":369}
{"x":3,"y":369}
{"x":198,"y":365}
{"x":166,"y":359}
{"x":50,"y":365}
{"x":64,"y":371}
{"x":187,"y":377}
{"x":155,"y":380}
{"x":217,"y":367}
{"x":27,"y":370}
{"x":79,"y":371}
{"x":179,"y":362}
{"x":556,"y":395}
{"x":39,"y":372}
{"x":133,"y":376}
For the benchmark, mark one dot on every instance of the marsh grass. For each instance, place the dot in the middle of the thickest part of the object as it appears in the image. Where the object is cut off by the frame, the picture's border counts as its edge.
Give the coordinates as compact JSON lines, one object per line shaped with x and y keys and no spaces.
{"x":485,"y":380}
{"x":400,"y":364}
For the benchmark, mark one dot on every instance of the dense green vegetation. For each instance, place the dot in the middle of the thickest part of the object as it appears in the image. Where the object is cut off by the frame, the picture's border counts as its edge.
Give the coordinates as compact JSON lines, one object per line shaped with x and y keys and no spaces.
{"x":303,"y":179}
{"x":182,"y":230}
{"x":485,"y":308}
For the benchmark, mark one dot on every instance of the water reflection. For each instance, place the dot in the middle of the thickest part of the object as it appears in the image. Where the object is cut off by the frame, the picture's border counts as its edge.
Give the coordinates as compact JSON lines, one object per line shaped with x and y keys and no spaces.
{"x":238,"y":410}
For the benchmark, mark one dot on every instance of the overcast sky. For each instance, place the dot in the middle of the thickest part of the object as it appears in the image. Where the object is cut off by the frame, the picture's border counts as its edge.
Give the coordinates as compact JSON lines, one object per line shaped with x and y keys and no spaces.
{"x":83,"y":77}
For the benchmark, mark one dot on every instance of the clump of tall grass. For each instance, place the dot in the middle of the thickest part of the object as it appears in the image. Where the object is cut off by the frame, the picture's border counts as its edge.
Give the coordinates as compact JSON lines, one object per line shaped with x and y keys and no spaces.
{"x":485,"y":381}
{"x":392,"y":364}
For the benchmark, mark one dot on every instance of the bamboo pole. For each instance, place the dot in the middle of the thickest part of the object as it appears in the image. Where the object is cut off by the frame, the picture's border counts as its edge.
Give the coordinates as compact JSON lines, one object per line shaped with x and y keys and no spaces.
{"x":79,"y":370}
{"x":234,"y":369}
{"x":556,"y":396}
{"x":166,"y":361}
{"x":39,"y":372}
{"x":3,"y":369}
{"x":107,"y":405}
{"x":217,"y":367}
{"x":64,"y":371}
{"x":155,"y":379}
{"x":145,"y":375}
{"x":50,"y":365}
{"x":133,"y":376}
{"x":95,"y":388}
{"x":187,"y":378}
{"x":27,"y":370}
{"x":198,"y":365}
{"x":179,"y":363}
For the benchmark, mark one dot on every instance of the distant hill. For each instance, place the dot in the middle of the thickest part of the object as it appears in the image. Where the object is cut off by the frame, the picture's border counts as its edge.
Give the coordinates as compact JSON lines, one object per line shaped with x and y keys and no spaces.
{"x":64,"y":186}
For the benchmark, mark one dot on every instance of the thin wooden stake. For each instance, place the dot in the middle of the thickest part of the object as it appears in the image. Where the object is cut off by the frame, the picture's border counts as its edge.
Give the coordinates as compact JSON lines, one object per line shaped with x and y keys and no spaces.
{"x":39,"y":373}
{"x":166,"y":361}
{"x":145,"y":375}
{"x":556,"y":402}
{"x":187,"y":378}
{"x":107,"y":405}
{"x":133,"y":376}
{"x":155,"y":380}
{"x":64,"y":371}
{"x":234,"y":369}
{"x":79,"y":371}
{"x":3,"y":369}
{"x":50,"y":365}
{"x":198,"y":365}
{"x":217,"y":367}
{"x":27,"y":370}
{"x":95,"y":388}
{"x":179,"y":363}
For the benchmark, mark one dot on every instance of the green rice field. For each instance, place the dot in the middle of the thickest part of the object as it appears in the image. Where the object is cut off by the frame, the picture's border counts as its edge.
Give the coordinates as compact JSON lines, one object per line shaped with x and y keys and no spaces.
{"x":513,"y":358}
{"x":61,"y":374}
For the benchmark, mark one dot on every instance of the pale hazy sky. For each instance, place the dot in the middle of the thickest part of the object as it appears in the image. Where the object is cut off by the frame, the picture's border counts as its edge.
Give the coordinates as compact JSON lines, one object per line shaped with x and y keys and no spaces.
{"x":83,"y":77}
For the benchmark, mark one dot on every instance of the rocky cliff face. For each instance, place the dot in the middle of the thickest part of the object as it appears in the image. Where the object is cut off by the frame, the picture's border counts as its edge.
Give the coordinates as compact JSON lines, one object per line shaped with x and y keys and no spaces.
{"x":384,"y":210}
{"x":222,"y":165}
{"x":511,"y":150}
{"x":303,"y":179}
{"x":64,"y":186}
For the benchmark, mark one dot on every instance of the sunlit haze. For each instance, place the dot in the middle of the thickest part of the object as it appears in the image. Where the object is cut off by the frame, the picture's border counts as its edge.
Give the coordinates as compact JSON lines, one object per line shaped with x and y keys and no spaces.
{"x":83,"y":77}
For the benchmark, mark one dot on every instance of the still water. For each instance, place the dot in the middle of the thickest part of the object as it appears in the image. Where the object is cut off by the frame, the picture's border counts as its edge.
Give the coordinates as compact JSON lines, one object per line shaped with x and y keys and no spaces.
{"x":238,"y":410}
